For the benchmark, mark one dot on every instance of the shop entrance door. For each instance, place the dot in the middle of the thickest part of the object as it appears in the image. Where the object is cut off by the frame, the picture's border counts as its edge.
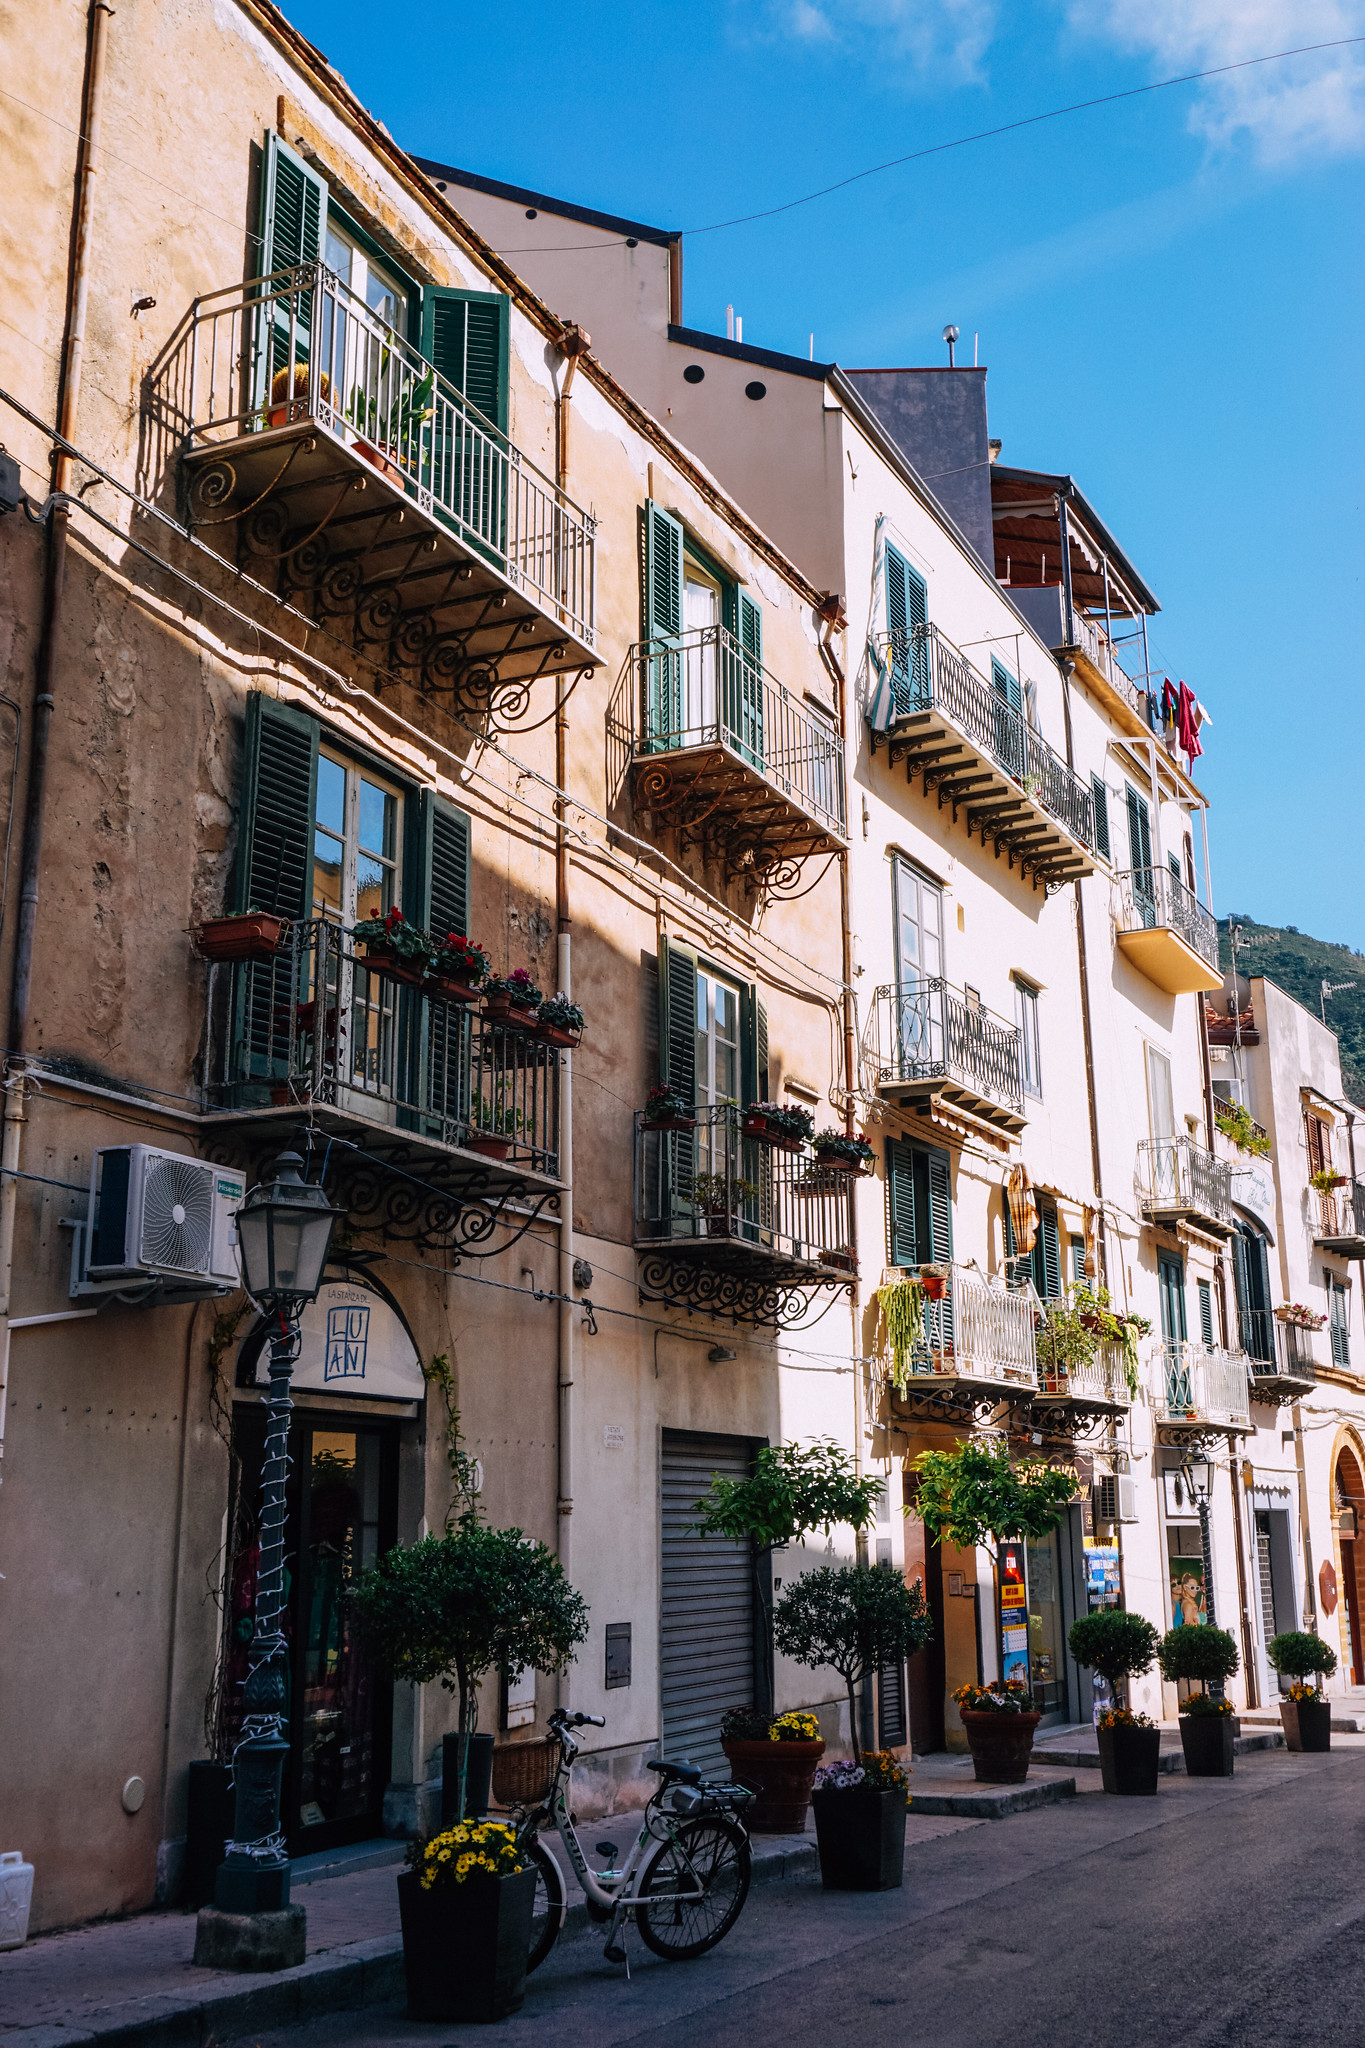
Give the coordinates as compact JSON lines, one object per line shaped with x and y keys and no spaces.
{"x":1046,"y":1627}
{"x":342,"y":1512}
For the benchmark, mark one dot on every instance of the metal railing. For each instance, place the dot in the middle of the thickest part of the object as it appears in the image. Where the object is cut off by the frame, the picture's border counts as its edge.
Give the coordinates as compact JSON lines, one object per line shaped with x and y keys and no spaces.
{"x":1096,"y":645}
{"x":703,"y":689}
{"x":1257,"y":1334}
{"x":980,"y":1330}
{"x":318,"y":1024}
{"x":926,"y":673}
{"x":1340,"y":1211}
{"x":711,"y":1183}
{"x":1176,"y":1175}
{"x":1201,"y":1383}
{"x":299,"y":345}
{"x":1100,"y":1378}
{"x":1151,"y":899}
{"x":926,"y":1031}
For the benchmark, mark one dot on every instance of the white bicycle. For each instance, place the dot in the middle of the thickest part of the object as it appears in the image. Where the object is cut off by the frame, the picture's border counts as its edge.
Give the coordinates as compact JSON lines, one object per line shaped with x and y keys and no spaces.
{"x":687,"y":1875}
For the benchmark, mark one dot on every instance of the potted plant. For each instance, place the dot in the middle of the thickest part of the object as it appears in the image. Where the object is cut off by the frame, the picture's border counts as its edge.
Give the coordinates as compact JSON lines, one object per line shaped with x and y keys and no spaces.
{"x":388,"y":429}
{"x":493,"y":1126}
{"x":840,"y":1153}
{"x":776,"y":1758}
{"x":1235,"y":1121}
{"x":512,"y":998}
{"x":558,"y":1021}
{"x":860,"y":1823}
{"x":1000,"y":1721}
{"x":1298,"y":1313}
{"x":1197,"y":1651}
{"x":857,"y":1618}
{"x":393,"y":948}
{"x":250,"y":935}
{"x":281,"y":410}
{"x":717,"y":1196}
{"x":792,"y":1491}
{"x":1326,"y":1181}
{"x":783,"y":1125}
{"x":1119,"y":1645}
{"x":933,"y":1278}
{"x":1305,"y":1713}
{"x":458,"y":969}
{"x":667,"y":1109}
{"x":842,"y":1258}
{"x":977,"y":1497}
{"x":900,"y":1310}
{"x":465,"y":1903}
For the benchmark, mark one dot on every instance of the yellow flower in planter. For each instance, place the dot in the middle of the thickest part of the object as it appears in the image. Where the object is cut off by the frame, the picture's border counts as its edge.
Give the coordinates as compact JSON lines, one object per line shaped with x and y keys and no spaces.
{"x":463,"y":1851}
{"x":794,"y":1728}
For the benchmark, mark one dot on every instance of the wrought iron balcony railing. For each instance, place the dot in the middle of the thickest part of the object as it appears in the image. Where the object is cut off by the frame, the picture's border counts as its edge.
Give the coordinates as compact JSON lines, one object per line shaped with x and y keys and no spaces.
{"x":980,"y":1332}
{"x":1098,"y":1382}
{"x":1177,"y":1177}
{"x":1201,"y":1386}
{"x":304,"y":414}
{"x":925,"y":1038}
{"x":1339,"y":1223}
{"x":924,"y":672}
{"x":711,"y":1192}
{"x":1150,"y":898}
{"x":718,"y":746}
{"x":317,"y":1025}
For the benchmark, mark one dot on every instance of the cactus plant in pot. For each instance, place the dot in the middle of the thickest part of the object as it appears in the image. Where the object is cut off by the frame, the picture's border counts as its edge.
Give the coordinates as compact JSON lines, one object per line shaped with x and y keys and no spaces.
{"x":1305,"y":1710}
{"x":1197,"y":1650}
{"x":1119,"y":1645}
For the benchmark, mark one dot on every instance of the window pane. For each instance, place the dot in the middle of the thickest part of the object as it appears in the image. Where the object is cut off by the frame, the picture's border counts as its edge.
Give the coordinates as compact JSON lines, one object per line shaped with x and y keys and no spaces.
{"x":378,"y":812}
{"x":338,"y":255}
{"x":331,"y":803}
{"x":374,"y":885}
{"x":326,"y":875}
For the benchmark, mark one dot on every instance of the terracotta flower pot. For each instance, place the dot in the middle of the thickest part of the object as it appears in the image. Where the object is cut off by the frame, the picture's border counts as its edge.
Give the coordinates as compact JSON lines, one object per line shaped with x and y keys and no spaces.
{"x":256,"y":935}
{"x":1307,"y":1725}
{"x":860,"y":1836}
{"x":934,"y":1285}
{"x":1130,"y":1760}
{"x":1207,"y":1741}
{"x":1001,"y":1744}
{"x":835,"y":1162}
{"x":670,"y":1123}
{"x":389,"y":967}
{"x":781,"y":1773}
{"x":465,"y":1945}
{"x":757,"y":1127}
{"x":452,"y":990}
{"x":380,"y":461}
{"x":491,"y":1148}
{"x":500,"y":1009}
{"x":555,"y":1034}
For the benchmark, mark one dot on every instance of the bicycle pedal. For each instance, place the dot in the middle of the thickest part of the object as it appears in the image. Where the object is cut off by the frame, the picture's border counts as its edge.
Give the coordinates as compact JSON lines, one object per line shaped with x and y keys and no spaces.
{"x":615,"y":1952}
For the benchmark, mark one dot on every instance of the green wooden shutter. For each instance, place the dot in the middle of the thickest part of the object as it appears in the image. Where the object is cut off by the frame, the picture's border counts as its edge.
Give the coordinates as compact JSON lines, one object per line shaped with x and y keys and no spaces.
{"x":907,"y":606}
{"x":901,"y":1238}
{"x":750,"y":708}
{"x":1205,"y":1291}
{"x":941,"y":1234}
{"x":293,"y":213}
{"x":274,"y":866}
{"x":753,"y":1046}
{"x":1076,"y":1246}
{"x":672,"y":1166}
{"x":465,"y":335}
{"x":436,"y":896}
{"x":1139,"y":830}
{"x":1047,"y":1253}
{"x":762,"y":1082}
{"x":1101,"y":799}
{"x":1005,"y":685}
{"x":663,"y":622}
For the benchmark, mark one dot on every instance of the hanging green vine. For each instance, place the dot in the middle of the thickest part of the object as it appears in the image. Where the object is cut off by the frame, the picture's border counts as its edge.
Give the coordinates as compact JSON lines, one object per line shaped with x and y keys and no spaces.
{"x":900,"y":1305}
{"x":465,"y":1476}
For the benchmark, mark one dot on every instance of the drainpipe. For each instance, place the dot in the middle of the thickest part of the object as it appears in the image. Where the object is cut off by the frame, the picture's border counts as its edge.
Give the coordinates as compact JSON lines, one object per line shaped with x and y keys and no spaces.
{"x":567,"y":1260}
{"x":574,"y":342}
{"x":1083,"y":965}
{"x":58,"y":521}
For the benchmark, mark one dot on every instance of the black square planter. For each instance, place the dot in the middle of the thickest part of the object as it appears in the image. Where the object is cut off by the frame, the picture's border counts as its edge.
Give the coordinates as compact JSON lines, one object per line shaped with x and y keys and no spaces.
{"x":465,"y":1945}
{"x":1307,"y":1724}
{"x":860,"y":1833}
{"x":1207,"y":1741}
{"x":1130,"y":1760}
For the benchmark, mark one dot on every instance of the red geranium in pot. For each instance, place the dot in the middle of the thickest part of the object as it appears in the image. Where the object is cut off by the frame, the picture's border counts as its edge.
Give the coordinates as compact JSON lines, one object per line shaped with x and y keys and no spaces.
{"x":512,"y":998}
{"x":459,"y":969}
{"x":392,"y":947}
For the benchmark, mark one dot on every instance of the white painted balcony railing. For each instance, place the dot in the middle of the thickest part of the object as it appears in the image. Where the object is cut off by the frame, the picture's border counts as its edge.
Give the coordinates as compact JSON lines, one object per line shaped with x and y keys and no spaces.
{"x":980,"y":1331}
{"x":1102,"y":1380}
{"x":1201,"y":1384}
{"x":1151,"y":899}
{"x":1176,"y":1176}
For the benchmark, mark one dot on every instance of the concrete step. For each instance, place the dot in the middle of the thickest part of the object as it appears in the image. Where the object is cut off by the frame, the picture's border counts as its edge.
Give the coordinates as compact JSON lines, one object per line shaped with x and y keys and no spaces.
{"x":375,"y":1854}
{"x":971,"y":1801}
{"x":1084,"y":1757}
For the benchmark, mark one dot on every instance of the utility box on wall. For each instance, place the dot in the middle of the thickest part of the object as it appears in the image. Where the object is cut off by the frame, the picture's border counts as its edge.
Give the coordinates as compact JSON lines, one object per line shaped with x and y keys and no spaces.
{"x":618,"y":1654}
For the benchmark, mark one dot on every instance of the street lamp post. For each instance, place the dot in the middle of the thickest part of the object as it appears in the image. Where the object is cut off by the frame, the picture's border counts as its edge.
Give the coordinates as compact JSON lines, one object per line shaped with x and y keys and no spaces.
{"x":1199,"y":1479}
{"x":284,"y":1230}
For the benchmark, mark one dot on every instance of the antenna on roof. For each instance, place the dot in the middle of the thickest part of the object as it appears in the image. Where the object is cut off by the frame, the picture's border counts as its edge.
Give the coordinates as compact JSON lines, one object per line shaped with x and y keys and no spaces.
{"x":950,"y":336}
{"x":1331,"y":988}
{"x":729,"y":323}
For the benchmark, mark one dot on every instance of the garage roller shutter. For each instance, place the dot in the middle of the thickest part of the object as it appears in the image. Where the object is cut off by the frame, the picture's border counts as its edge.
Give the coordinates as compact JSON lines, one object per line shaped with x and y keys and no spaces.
{"x":707,"y":1615}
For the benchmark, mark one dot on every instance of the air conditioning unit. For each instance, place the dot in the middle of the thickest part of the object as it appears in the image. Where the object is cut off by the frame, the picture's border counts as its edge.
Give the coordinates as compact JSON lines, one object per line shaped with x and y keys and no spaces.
{"x":1116,"y":1498}
{"x":158,"y":1216}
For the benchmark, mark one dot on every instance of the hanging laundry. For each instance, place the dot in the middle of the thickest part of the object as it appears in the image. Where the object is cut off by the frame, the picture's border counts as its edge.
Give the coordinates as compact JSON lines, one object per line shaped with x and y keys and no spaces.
{"x":1186,"y":724}
{"x":1023,"y":1209}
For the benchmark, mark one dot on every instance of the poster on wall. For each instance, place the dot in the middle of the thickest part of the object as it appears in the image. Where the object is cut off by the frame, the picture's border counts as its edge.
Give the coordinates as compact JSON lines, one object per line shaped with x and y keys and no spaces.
{"x":1101,"y":1575}
{"x":351,"y":1342}
{"x":1188,"y":1604}
{"x":1013,"y":1614}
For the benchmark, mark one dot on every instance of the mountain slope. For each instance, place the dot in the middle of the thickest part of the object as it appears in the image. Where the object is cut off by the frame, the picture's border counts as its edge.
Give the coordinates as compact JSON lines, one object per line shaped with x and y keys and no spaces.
{"x":1300,"y":965}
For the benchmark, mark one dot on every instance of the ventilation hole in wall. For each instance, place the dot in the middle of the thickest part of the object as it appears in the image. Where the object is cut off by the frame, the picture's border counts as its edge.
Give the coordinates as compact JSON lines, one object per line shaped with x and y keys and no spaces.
{"x":530,"y":213}
{"x":755,"y":390}
{"x":693,"y":374}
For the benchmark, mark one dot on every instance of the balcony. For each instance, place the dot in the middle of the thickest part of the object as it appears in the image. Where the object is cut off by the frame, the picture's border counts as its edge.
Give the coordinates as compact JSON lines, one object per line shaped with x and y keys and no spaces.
{"x":977,"y":1348}
{"x":1072,"y":1395}
{"x":1179,"y":1182}
{"x":1166,"y":932}
{"x":724,"y":753}
{"x":1339,"y":1220}
{"x":926,"y":1043}
{"x":335,"y":464}
{"x":1091,"y":648}
{"x":1199,"y":1388}
{"x":425,"y":1110}
{"x":950,"y":726}
{"x":1279,"y":1357}
{"x":736,"y":1227}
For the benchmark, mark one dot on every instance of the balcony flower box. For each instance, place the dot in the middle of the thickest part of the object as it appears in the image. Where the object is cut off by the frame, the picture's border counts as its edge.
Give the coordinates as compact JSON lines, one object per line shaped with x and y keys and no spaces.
{"x":256,"y":935}
{"x":1300,"y":1317}
{"x":513,"y":999}
{"x":459,"y":970}
{"x":838,"y":1153}
{"x":779,"y":1124}
{"x":393,"y":948}
{"x":559,"y":1022}
{"x":666,"y":1110}
{"x":842,"y":1260}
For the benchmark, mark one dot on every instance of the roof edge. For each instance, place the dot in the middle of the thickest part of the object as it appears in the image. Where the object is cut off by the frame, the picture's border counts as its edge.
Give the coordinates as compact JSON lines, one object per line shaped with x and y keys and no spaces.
{"x":613,"y":223}
{"x":742,"y":352}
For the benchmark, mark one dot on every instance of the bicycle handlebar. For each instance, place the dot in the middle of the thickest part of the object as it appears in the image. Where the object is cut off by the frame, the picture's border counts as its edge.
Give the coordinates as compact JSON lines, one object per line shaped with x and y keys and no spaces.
{"x":559,"y":1719}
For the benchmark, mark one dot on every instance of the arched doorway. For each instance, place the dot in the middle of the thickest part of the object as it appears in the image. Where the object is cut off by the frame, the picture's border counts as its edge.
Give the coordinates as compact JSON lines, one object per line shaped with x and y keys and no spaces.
{"x":1349,"y":1514}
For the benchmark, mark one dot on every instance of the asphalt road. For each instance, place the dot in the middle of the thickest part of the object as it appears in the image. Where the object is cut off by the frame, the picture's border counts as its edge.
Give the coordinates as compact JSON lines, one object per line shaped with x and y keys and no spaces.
{"x":1220,"y":1914}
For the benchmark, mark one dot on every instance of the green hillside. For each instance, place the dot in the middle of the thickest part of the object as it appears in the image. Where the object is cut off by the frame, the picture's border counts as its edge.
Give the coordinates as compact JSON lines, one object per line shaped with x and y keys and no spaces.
{"x":1300,"y":965}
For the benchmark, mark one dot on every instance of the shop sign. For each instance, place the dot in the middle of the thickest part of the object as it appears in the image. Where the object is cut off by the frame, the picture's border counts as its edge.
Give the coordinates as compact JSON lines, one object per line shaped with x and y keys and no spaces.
{"x":352,"y":1343}
{"x":1013,"y":1614}
{"x":1102,"y":1575}
{"x":1253,"y":1189}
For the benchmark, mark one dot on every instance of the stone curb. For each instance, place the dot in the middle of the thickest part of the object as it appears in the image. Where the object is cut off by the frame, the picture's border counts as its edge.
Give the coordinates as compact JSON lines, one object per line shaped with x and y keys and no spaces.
{"x":1171,"y":1762}
{"x":995,"y":1802}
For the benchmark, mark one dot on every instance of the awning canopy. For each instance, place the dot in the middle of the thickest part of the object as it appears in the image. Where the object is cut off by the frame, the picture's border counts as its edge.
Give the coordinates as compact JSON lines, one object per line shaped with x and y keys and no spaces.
{"x":1026,"y":515}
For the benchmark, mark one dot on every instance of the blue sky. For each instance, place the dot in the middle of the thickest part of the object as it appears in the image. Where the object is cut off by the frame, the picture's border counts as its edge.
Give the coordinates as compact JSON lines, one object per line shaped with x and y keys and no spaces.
{"x":1168,"y":291}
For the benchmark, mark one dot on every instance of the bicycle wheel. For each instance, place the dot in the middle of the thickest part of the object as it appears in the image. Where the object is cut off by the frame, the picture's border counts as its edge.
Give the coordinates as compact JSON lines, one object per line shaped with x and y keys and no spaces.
{"x":693,"y":1889}
{"x":547,"y":1915}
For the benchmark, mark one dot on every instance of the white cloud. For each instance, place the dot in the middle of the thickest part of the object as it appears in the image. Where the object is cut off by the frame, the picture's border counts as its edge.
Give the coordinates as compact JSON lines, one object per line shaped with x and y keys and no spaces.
{"x":1312,"y":105}
{"x":944,"y":39}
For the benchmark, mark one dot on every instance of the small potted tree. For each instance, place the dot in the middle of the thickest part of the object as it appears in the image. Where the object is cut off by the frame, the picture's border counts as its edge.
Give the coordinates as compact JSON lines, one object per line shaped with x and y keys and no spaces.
{"x":1197,"y":1651}
{"x":1305,"y":1712}
{"x":977,"y":1497}
{"x":1119,"y":1645}
{"x":717,"y":1197}
{"x":776,"y":1756}
{"x":856,"y":1618}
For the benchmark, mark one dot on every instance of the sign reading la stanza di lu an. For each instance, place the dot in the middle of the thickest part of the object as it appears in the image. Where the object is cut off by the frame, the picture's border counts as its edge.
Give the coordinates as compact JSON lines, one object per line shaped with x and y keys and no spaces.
{"x":352,"y":1343}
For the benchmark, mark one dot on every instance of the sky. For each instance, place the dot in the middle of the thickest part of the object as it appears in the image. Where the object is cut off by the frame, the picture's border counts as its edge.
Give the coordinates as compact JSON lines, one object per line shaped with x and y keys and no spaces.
{"x":1167,"y":290}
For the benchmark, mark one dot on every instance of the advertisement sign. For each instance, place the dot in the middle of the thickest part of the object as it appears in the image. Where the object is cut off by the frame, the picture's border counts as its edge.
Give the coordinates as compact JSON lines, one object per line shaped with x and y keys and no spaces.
{"x":352,"y":1343}
{"x":1013,"y":1613}
{"x":1188,"y":1603}
{"x":1101,"y":1575}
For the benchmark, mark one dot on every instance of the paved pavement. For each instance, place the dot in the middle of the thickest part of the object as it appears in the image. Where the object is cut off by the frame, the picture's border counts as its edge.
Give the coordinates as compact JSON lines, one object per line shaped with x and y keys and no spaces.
{"x":1220,"y":1914}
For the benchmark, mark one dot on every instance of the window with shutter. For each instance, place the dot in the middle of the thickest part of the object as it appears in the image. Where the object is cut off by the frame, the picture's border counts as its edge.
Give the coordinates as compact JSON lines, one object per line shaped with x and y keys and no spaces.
{"x":663,"y":626}
{"x":907,"y":608}
{"x":1339,"y":1303}
{"x":675,"y":1166}
{"x":1008,"y":735}
{"x":274,"y":865}
{"x":1101,"y":798}
{"x":1076,"y":1247}
{"x":293,"y":214}
{"x":1047,"y":1252}
{"x":436,"y":896}
{"x":1205,"y":1292}
{"x":919,"y":1209}
{"x":466,"y":336}
{"x":749,"y":721}
{"x":1140,"y":856}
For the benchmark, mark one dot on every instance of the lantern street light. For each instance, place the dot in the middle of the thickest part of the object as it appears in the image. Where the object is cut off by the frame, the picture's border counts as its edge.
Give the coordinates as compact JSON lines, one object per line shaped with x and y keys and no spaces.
{"x":1197,"y":1473}
{"x":284,"y":1231}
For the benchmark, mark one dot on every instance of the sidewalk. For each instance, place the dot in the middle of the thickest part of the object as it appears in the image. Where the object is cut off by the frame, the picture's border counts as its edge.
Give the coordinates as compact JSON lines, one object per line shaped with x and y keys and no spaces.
{"x":132,"y":1983}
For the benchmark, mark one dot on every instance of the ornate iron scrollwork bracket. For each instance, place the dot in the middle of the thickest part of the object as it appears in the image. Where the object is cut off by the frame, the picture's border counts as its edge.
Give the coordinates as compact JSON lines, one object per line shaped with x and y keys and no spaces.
{"x":733,"y":1297}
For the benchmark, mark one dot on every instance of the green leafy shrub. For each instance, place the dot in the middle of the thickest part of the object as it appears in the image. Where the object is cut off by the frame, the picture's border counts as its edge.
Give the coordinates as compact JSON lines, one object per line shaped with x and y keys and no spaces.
{"x":1298,"y":1652}
{"x":975,"y":1494}
{"x":1115,"y":1643}
{"x":1197,"y":1652}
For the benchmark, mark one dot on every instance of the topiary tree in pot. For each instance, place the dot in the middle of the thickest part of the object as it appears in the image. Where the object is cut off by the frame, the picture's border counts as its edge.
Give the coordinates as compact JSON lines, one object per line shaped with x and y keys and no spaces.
{"x":1305,"y":1712}
{"x":1197,"y":1651}
{"x":1120,"y":1645}
{"x":856,"y":1618}
{"x":977,"y":1497}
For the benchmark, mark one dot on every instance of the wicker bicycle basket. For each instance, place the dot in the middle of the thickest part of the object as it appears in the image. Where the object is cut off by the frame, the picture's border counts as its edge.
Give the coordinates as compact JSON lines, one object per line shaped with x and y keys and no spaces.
{"x":523,"y":1772}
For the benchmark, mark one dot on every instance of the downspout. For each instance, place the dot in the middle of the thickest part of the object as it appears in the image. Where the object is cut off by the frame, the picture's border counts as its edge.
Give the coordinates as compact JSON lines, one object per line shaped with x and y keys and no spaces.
{"x":1083,"y":965}
{"x":58,"y":523}
{"x":1065,"y":535}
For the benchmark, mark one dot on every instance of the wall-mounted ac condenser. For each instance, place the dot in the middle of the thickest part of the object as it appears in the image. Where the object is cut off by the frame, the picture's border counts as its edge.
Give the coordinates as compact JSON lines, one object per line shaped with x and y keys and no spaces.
{"x":159,"y":1216}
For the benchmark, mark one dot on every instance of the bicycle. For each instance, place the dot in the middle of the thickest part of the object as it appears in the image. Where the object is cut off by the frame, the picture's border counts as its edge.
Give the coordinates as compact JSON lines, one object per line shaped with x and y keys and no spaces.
{"x":684,"y":1894}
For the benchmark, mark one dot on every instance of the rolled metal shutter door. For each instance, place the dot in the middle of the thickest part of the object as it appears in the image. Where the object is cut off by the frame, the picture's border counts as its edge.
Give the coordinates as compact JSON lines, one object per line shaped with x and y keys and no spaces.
{"x":706,"y":1651}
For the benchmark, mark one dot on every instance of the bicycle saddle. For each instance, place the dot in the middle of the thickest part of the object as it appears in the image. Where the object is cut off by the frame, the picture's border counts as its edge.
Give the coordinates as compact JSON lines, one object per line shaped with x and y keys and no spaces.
{"x":681,"y":1774}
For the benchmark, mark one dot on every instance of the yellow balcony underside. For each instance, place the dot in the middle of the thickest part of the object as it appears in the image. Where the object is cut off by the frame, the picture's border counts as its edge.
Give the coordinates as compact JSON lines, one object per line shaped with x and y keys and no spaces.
{"x":1163,"y":956}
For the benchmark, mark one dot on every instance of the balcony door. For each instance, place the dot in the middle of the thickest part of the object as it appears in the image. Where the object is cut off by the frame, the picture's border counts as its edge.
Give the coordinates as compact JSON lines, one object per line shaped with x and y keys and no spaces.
{"x":1170,"y":1274}
{"x":917,"y":909}
{"x":357,"y":838}
{"x":701,"y":617}
{"x":1140,"y":857}
{"x":718,"y":1072}
{"x":1251,"y":1283}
